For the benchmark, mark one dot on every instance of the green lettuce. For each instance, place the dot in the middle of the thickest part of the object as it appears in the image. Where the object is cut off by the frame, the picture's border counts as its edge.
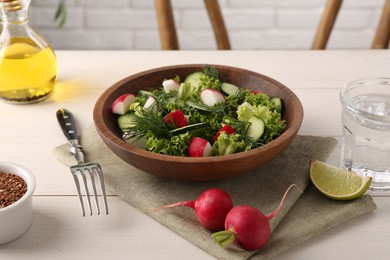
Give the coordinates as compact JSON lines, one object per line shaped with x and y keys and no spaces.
{"x":229,"y":144}
{"x":176,"y":145}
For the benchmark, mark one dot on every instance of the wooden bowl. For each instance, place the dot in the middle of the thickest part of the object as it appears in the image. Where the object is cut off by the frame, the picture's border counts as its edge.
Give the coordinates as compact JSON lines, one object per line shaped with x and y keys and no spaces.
{"x":190,"y":168}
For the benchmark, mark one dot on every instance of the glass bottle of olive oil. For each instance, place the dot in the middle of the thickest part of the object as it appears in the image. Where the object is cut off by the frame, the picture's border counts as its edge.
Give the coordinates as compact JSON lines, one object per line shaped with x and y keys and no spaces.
{"x":28,"y":66}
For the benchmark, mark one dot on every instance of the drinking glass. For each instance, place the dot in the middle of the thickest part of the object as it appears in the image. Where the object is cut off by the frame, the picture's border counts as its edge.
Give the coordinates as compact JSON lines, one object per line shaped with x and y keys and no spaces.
{"x":365,"y":147}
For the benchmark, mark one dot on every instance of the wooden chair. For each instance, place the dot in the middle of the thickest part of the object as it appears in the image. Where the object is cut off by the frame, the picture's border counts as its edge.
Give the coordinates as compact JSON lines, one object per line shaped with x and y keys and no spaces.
{"x":167,"y":29}
{"x":325,"y":26}
{"x":328,"y":18}
{"x":382,"y":35}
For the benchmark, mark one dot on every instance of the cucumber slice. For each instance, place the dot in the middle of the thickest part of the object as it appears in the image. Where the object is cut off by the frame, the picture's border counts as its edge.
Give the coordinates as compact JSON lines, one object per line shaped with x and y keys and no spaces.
{"x":229,"y":88}
{"x":194,"y":79}
{"x":277,"y":101}
{"x":125,"y":121}
{"x":256,"y":128}
{"x":185,"y":90}
{"x":145,"y":93}
{"x":140,"y":143}
{"x":198,"y":106}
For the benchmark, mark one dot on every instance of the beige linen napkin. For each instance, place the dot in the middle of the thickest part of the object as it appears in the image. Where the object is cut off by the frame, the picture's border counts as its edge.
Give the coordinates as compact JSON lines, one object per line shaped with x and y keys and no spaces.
{"x":263,"y":188}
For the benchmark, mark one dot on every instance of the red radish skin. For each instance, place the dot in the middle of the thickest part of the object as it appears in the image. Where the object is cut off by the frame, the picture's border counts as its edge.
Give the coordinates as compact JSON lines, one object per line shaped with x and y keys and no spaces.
{"x":122,"y":103}
{"x":211,"y":208}
{"x":170,"y":84}
{"x":248,"y":226}
{"x":176,"y":118}
{"x":227,"y":129}
{"x":210,"y":97}
{"x":199,"y":147}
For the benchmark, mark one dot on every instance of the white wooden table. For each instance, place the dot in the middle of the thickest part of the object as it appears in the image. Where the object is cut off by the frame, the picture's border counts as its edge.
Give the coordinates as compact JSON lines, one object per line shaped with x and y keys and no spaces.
{"x":28,"y":133}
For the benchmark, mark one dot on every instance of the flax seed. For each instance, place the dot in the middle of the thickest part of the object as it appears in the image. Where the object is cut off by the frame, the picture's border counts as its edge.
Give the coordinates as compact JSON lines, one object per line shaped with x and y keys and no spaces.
{"x":12,"y":188}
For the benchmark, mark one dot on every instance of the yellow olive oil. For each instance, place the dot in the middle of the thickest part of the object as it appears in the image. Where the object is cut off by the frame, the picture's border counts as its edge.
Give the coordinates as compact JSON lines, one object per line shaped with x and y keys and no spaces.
{"x":28,"y":72}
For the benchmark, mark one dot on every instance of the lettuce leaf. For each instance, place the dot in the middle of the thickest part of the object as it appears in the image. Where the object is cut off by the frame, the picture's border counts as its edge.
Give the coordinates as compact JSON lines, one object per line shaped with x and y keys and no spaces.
{"x":229,"y":144}
{"x":176,"y":145}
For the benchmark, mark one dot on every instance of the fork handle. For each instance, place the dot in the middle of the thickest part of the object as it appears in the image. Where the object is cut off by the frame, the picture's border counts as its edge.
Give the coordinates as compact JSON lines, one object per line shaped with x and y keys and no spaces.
{"x":68,"y":126}
{"x":67,"y":123}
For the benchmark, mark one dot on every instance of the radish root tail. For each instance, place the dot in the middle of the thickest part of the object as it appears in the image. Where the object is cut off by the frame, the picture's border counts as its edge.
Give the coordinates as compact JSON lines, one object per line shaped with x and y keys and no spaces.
{"x":187,"y":203}
{"x":273,"y":214}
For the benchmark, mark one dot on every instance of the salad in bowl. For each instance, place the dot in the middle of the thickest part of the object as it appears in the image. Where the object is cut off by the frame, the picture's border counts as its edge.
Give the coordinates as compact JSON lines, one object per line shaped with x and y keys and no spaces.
{"x":197,"y":122}
{"x":198,"y":116}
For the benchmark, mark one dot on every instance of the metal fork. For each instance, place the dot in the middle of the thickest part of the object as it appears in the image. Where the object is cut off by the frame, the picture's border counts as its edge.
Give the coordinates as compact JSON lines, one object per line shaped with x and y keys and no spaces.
{"x":68,"y":126}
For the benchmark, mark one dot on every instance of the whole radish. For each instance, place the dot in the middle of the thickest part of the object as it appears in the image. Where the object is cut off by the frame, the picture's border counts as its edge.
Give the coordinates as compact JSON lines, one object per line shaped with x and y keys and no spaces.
{"x":211,"y":208}
{"x":247,"y":226}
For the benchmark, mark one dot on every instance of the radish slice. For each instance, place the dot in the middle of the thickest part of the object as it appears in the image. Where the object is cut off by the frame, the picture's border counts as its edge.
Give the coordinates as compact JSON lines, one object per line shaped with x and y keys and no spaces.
{"x":210,"y":97}
{"x":176,"y":118}
{"x":149,"y":102}
{"x":227,"y":129}
{"x":199,"y":147}
{"x":170,"y":84}
{"x":122,"y":103}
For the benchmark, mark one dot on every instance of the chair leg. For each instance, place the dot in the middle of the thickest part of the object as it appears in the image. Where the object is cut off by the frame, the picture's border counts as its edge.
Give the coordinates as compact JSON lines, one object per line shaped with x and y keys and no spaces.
{"x":325,"y":26}
{"x":166,"y":25}
{"x":218,"y":24}
{"x":382,"y":34}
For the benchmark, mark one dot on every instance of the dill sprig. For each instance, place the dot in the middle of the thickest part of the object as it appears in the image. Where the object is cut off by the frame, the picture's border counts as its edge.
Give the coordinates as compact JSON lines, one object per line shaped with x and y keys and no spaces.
{"x":196,"y":104}
{"x":240,"y":95}
{"x":145,"y":120}
{"x":241,"y":128}
{"x":163,"y":99}
{"x":211,"y":72}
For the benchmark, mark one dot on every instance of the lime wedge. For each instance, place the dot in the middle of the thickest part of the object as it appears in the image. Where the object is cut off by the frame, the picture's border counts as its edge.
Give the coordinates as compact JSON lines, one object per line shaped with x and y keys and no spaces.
{"x":337,"y":183}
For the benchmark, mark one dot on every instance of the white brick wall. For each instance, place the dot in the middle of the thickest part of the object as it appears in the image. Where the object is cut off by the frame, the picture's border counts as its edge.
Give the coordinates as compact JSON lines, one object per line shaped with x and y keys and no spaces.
{"x":252,"y":24}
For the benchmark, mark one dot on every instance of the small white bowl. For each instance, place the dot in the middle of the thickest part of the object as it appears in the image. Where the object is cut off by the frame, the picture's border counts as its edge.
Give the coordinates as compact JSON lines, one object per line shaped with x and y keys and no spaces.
{"x":16,"y":218}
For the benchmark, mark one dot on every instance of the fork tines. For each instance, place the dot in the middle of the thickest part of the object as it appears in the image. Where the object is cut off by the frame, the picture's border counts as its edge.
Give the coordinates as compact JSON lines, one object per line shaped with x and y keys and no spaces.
{"x":93,"y":170}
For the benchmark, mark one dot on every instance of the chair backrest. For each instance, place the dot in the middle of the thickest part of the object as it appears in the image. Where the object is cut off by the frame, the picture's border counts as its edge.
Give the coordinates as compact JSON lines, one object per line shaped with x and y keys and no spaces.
{"x":167,"y":28}
{"x":328,"y":18}
{"x":325,"y":26}
{"x":382,"y":35}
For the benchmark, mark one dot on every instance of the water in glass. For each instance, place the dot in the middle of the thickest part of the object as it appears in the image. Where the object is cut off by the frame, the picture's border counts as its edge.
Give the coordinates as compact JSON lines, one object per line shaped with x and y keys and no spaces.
{"x":366,"y":130}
